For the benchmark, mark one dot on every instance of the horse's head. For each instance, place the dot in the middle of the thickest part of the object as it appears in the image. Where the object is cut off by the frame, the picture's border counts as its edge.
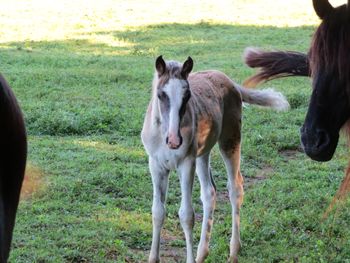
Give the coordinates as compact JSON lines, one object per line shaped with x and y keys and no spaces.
{"x":329,"y":106}
{"x":173,"y":92}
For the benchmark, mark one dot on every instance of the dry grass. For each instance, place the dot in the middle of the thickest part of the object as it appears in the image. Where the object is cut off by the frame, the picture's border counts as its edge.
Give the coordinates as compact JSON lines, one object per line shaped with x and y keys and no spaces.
{"x":39,"y":20}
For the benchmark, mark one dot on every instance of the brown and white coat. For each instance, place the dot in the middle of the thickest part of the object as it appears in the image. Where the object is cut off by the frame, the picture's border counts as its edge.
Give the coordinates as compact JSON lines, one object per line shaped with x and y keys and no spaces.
{"x":187,"y":115}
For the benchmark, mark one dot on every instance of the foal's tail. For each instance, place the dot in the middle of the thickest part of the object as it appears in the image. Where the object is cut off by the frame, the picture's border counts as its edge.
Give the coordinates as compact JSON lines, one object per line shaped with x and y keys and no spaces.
{"x":275,"y":64}
{"x":267,"y":98}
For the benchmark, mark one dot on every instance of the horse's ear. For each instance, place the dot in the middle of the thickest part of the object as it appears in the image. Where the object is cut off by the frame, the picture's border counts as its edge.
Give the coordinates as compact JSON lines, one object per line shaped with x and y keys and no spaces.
{"x":187,"y":67}
{"x":322,"y":7}
{"x":160,"y":65}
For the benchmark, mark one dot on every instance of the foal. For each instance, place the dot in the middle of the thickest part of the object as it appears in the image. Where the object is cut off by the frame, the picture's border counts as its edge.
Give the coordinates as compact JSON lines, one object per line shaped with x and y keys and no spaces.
{"x":13,"y":153}
{"x":187,"y":115}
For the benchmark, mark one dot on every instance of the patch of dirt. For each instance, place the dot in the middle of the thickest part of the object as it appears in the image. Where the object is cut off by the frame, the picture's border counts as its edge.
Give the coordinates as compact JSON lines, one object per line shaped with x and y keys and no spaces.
{"x":33,"y":181}
{"x":168,"y":253}
{"x":167,"y":237}
{"x":260,"y":176}
{"x":290,"y":154}
{"x":173,"y":254}
{"x":222,"y":196}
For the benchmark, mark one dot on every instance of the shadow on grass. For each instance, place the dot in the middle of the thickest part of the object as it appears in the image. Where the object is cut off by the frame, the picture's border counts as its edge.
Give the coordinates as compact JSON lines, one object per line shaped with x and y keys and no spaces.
{"x":175,"y":38}
{"x":101,"y":82}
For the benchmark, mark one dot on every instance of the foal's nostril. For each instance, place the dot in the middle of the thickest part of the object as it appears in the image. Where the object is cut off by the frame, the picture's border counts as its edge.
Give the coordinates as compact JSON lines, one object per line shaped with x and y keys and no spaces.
{"x":322,"y":139}
{"x":180,"y":140}
{"x":167,"y":140}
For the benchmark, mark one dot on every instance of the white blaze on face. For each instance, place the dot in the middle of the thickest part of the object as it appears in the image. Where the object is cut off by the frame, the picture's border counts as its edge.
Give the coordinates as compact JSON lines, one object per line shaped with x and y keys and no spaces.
{"x":175,"y":91}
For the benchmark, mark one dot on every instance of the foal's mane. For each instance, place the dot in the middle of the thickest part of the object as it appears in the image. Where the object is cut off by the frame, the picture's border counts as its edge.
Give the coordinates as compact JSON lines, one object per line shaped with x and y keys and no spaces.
{"x":329,"y":52}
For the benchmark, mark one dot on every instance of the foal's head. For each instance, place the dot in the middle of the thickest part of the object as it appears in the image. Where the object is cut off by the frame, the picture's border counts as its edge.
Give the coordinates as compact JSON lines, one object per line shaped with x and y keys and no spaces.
{"x":173,"y":93}
{"x":329,"y":106}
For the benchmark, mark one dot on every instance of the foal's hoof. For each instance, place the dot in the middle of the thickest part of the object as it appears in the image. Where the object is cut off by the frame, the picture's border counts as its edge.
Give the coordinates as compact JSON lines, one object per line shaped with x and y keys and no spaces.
{"x":201,"y":258}
{"x":233,"y":259}
{"x":153,"y":260}
{"x":202,"y":254}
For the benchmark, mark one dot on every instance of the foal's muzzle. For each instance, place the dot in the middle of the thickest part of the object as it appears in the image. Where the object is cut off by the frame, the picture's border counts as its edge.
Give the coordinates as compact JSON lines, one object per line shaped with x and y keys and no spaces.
{"x":318,"y":144}
{"x":173,"y":141}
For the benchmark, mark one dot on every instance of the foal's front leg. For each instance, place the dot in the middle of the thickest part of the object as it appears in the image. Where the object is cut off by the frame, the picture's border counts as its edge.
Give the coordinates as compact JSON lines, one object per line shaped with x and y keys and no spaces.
{"x":160,"y":177}
{"x":186,"y":212}
{"x":208,"y":197}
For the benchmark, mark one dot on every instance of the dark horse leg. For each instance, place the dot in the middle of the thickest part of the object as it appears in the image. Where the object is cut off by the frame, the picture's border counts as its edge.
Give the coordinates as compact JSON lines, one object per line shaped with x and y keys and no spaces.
{"x":13,"y":155}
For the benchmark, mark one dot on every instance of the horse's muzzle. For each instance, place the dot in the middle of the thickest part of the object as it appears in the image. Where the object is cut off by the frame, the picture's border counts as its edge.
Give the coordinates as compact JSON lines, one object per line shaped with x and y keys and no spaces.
{"x":318,"y":144}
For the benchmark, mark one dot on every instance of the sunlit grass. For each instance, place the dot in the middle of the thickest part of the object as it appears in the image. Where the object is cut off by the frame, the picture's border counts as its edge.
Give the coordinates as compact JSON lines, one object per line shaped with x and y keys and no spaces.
{"x":42,"y":20}
{"x":95,"y":21}
{"x":39,"y":20}
{"x":134,"y":152}
{"x":112,"y":41}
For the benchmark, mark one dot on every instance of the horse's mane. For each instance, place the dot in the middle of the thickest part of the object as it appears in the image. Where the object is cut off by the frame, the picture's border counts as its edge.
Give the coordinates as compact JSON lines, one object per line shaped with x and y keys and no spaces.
{"x":330,"y":46}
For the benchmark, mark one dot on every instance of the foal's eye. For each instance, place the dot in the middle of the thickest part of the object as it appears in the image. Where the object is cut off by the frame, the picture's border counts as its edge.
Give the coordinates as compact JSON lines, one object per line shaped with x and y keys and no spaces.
{"x":161,"y":95}
{"x":187,"y":95}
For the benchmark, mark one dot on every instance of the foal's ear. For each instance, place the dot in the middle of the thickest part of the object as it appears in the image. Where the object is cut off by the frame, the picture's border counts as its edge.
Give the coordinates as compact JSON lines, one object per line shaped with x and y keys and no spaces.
{"x":322,"y":7}
{"x":187,"y":67}
{"x":160,"y":65}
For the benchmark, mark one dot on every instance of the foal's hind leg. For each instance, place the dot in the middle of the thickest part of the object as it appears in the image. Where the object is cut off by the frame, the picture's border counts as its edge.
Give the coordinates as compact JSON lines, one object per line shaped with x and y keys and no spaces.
{"x":231,"y":156}
{"x":160,"y":177}
{"x":208,"y":197}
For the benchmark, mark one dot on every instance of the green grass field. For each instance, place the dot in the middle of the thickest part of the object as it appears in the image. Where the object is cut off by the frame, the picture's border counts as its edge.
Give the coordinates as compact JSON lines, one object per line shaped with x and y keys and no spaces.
{"x":82,"y":72}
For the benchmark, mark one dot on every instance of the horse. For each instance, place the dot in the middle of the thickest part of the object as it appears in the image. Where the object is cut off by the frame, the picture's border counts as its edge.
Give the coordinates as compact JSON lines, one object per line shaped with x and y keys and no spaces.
{"x":327,"y":63}
{"x":187,"y":115}
{"x":13,"y":155}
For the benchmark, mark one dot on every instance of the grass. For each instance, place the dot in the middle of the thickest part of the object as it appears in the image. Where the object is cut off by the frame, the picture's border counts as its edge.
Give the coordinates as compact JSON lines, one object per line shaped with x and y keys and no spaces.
{"x":82,"y":72}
